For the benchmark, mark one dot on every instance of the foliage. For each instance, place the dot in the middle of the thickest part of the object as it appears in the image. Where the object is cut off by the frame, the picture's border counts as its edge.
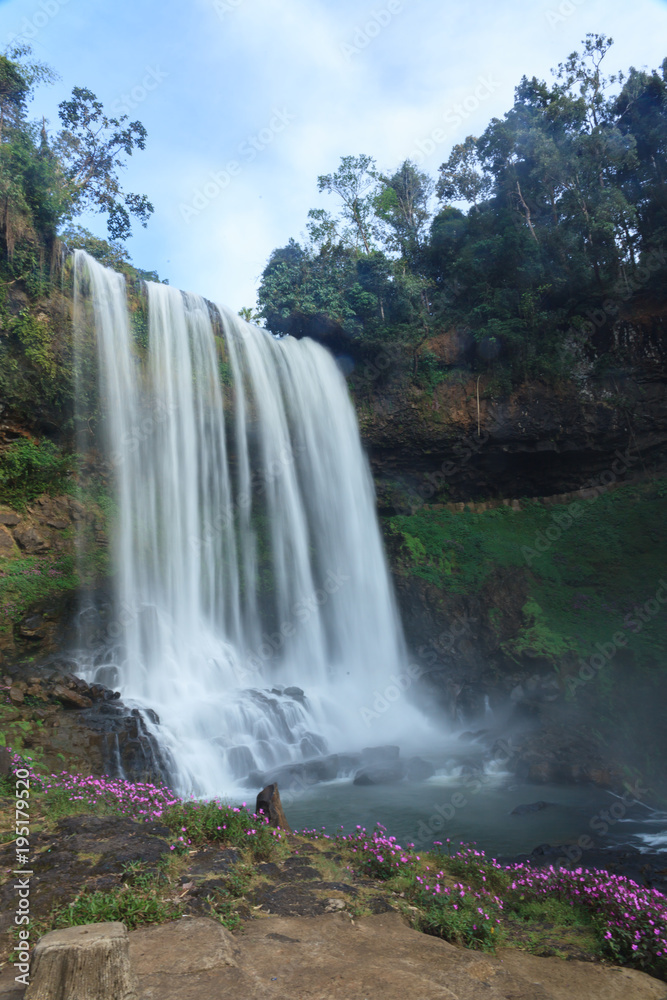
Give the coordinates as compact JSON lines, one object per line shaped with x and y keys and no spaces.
{"x":132,"y":905}
{"x":28,"y":468}
{"x":46,"y":181}
{"x":90,"y":150}
{"x":30,"y":580}
{"x":462,"y":895}
{"x":565,"y":230}
{"x":110,"y":253}
{"x":202,"y":822}
{"x":575,"y":594}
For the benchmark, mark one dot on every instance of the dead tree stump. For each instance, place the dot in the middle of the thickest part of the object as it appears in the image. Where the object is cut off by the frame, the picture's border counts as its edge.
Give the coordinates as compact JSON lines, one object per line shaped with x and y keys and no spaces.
{"x":268,"y":802}
{"x":90,"y":962}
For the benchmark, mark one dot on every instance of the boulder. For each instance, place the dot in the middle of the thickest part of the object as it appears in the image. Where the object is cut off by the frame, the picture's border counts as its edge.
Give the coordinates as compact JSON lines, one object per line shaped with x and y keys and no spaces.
{"x":268,"y":803}
{"x":418,"y":769}
{"x":531,"y":807}
{"x":379,"y":755}
{"x":7,"y":547}
{"x":381,"y":774}
{"x":70,"y":697}
{"x":30,"y":540}
{"x":89,"y":962}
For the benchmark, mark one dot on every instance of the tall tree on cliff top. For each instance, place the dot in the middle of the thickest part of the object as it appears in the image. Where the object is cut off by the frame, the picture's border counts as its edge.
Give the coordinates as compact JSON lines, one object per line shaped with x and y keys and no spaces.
{"x":92,"y":148}
{"x":354,"y":183}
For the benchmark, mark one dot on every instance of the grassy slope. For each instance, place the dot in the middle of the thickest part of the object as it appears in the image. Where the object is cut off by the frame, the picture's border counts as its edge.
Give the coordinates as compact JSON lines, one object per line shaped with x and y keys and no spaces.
{"x":596,"y":580}
{"x":605,"y":563}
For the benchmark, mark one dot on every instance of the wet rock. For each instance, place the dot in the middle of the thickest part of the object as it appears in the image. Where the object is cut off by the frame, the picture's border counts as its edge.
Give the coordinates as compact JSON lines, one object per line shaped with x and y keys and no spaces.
{"x":418,"y":769}
{"x":57,"y":522}
{"x":7,"y":547}
{"x":560,"y":754}
{"x":312,"y":744}
{"x":71,"y":697}
{"x":294,"y":692}
{"x":532,"y":807}
{"x":307,"y":772}
{"x":126,"y":746}
{"x":381,"y":774}
{"x":472,"y":735}
{"x":379,"y":755}
{"x":239,"y":759}
{"x":34,"y":627}
{"x":30,"y":540}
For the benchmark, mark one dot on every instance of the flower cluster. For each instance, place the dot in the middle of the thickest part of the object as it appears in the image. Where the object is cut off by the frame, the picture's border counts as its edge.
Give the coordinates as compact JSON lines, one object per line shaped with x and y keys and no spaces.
{"x":462,"y":895}
{"x":633,"y":918}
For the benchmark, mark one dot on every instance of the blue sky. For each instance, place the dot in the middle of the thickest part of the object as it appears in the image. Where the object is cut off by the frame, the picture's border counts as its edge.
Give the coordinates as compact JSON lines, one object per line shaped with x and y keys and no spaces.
{"x":281,"y":89}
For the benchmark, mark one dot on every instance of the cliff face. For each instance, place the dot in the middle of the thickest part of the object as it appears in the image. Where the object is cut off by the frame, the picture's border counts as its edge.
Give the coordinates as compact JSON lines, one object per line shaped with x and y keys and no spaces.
{"x":445,"y":443}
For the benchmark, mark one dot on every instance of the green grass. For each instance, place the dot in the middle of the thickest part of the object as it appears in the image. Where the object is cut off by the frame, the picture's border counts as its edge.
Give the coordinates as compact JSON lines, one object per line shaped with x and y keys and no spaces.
{"x":138,"y":901}
{"x":581,"y":589}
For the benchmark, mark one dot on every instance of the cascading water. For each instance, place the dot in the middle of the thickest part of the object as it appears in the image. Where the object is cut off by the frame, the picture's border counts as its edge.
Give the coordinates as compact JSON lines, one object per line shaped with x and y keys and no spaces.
{"x":248,"y":559}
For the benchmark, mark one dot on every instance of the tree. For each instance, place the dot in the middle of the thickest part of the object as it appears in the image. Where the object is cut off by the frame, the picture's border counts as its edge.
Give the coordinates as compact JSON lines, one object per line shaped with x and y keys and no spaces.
{"x":584,"y":70}
{"x":91,"y":148}
{"x":462,"y":177}
{"x":354,"y":183}
{"x":402,"y":203}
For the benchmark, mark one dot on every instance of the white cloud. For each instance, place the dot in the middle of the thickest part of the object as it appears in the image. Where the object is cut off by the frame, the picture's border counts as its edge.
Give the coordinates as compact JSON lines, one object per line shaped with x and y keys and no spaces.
{"x":227,"y":71}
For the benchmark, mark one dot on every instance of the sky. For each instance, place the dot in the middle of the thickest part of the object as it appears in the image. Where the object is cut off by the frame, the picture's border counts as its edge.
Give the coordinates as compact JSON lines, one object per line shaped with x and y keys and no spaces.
{"x":246,"y":102}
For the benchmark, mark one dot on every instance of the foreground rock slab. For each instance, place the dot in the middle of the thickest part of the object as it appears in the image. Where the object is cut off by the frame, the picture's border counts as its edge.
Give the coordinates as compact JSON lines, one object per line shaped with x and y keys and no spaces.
{"x":90,"y":962}
{"x":190,"y":945}
{"x":333,"y":957}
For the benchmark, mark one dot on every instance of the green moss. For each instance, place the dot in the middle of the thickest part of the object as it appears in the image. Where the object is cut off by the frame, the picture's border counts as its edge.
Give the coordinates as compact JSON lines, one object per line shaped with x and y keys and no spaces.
{"x":31,"y":580}
{"x":537,"y":638}
{"x":36,"y":340}
{"x":587,"y":569}
{"x":29,"y":468}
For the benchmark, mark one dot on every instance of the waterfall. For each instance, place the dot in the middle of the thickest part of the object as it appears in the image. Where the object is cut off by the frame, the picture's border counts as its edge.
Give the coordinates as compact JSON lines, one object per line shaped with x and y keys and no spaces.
{"x":253,"y":607}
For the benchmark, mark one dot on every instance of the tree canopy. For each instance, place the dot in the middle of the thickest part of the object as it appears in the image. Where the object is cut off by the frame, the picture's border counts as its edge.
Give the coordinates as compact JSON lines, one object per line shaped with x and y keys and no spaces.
{"x":535,"y":235}
{"x":48,"y":180}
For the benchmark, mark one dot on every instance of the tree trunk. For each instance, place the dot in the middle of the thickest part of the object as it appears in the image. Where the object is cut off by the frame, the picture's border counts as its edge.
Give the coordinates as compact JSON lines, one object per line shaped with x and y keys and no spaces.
{"x":90,"y":962}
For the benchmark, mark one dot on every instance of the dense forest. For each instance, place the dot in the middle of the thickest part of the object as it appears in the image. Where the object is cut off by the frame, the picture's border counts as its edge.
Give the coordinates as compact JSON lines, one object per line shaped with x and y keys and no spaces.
{"x":532,"y":240}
